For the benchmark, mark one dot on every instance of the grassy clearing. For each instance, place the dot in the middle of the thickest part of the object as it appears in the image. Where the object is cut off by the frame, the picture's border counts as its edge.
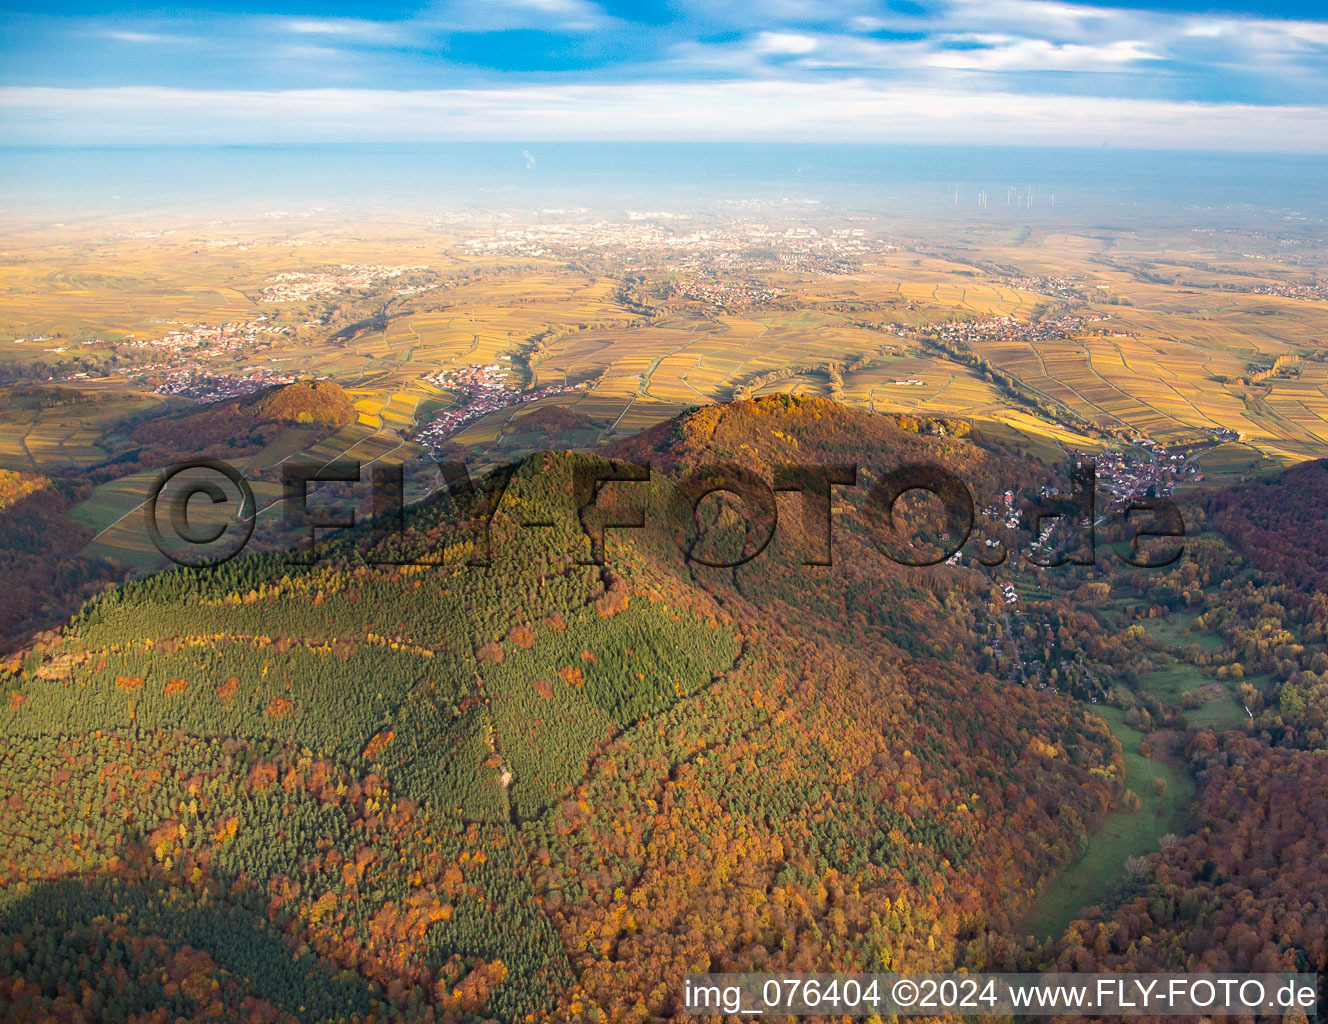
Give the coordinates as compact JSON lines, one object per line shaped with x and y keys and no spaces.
{"x":1179,"y":630}
{"x":1173,"y":679}
{"x":1221,"y":713}
{"x":1101,"y":871}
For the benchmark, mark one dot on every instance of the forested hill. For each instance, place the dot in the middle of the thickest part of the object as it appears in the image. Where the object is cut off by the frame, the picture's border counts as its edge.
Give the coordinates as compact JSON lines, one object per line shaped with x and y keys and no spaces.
{"x":541,"y":789}
{"x":1277,"y":522}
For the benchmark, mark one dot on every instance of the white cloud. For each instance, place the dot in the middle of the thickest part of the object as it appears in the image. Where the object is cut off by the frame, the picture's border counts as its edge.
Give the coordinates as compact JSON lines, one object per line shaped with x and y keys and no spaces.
{"x":783,"y":43}
{"x":1290,"y":35}
{"x":1277,"y":48}
{"x":1186,"y":56}
{"x":1208,"y":29}
{"x":1012,"y":54}
{"x":157,"y":38}
{"x":867,"y":23}
{"x":306,"y":52}
{"x":955,"y":52}
{"x":1040,"y":18}
{"x":346,"y":28}
{"x":843,"y":111}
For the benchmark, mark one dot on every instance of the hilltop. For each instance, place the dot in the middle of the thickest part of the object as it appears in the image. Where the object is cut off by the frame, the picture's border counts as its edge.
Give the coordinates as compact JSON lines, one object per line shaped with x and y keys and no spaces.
{"x":552,"y":420}
{"x":244,"y":421}
{"x":311,"y":401}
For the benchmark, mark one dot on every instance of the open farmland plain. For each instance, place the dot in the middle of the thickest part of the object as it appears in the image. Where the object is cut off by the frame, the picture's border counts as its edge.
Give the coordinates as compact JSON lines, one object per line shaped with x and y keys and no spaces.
{"x":445,"y":333}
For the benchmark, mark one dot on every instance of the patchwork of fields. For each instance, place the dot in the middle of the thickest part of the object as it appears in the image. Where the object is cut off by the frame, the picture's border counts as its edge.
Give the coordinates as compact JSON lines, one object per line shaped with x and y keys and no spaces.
{"x":1173,"y":332}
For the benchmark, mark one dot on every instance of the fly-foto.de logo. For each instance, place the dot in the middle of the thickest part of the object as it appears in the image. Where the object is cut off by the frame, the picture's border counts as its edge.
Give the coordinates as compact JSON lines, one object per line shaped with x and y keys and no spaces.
{"x":180,"y":530}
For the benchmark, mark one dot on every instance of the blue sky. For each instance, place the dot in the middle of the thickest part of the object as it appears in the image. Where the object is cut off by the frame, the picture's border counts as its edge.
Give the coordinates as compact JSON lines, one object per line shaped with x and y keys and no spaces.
{"x":1180,"y":75}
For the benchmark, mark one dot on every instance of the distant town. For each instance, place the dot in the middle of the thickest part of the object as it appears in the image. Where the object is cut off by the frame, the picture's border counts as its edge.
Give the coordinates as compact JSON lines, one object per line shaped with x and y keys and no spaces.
{"x":1007,"y":328}
{"x":215,"y":387}
{"x":727,"y":246}
{"x":480,"y":390}
{"x":301,"y":286}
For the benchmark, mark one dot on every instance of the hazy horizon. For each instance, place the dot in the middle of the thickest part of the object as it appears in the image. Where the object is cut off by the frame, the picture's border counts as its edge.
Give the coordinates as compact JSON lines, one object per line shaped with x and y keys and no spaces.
{"x":1075,"y":185}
